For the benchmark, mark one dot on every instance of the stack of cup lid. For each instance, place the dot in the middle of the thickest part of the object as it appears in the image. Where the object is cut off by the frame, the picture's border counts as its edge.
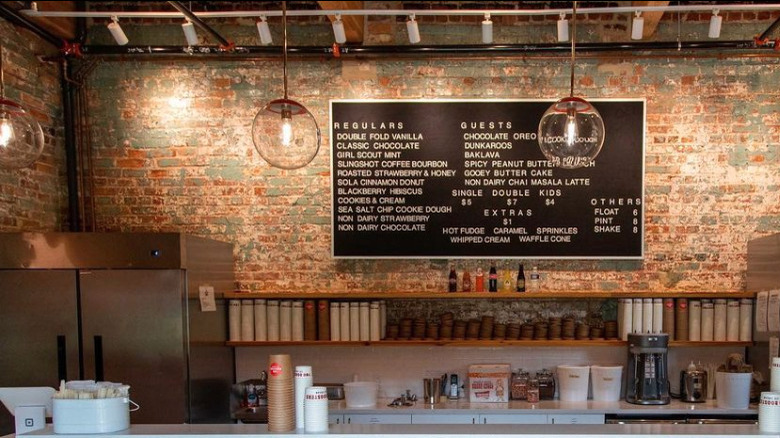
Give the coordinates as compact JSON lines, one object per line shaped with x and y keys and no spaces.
{"x":769,"y":412}
{"x":391,"y":333}
{"x":303,"y":380}
{"x":472,"y":329}
{"x":432,"y":332}
{"x":459,"y":330}
{"x":499,"y":331}
{"x":418,"y":329}
{"x":527,"y":331}
{"x":281,"y":394}
{"x":315,"y":408}
{"x":486,"y":328}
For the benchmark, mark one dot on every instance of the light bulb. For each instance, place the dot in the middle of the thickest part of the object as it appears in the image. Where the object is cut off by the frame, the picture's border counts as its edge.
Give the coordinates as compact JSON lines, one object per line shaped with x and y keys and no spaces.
{"x":571,"y":126}
{"x":6,"y":132}
{"x":286,"y":133}
{"x":571,"y":133}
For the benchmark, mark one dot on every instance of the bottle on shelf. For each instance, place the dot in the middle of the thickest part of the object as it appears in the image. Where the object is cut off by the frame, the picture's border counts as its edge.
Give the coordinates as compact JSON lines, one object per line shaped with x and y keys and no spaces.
{"x":453,"y":284}
{"x":533,"y":284}
{"x":520,"y":286}
{"x":466,"y":281}
{"x":479,"y":284}
{"x":493,"y":279}
{"x":508,"y":280}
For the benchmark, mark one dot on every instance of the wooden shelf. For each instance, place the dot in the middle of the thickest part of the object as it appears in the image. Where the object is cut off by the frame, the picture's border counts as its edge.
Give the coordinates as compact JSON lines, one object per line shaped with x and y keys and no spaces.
{"x":482,"y":295}
{"x":485,"y":343}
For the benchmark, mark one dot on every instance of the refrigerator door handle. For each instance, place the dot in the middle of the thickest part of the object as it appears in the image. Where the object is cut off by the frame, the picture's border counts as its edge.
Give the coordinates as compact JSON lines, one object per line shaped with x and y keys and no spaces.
{"x":62,"y":359}
{"x":99,"y":377}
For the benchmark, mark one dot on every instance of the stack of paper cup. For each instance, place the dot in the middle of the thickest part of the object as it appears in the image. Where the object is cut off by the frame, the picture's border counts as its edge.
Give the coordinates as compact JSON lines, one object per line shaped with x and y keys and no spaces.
{"x":774,"y":377}
{"x":316,"y":409}
{"x":303,"y":380}
{"x":769,"y":412}
{"x":281,"y":398}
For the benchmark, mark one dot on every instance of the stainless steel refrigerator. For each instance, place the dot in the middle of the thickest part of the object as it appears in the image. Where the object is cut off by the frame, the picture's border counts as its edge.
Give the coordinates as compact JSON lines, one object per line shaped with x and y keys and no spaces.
{"x":121,"y":307}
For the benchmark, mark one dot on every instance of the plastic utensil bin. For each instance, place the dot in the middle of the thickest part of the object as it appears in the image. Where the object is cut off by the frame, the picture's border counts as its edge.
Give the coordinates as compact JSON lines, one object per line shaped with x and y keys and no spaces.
{"x":361,"y":394}
{"x":91,"y":415}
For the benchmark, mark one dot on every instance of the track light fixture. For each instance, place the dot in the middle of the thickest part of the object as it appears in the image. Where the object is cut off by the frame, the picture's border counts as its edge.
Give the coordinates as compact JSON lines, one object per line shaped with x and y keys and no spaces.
{"x":715,"y":23}
{"x":189,"y":33}
{"x":117,"y":32}
{"x":412,"y":30}
{"x":487,"y":30}
{"x":638,"y":26}
{"x":338,"y":30}
{"x":563,"y":28}
{"x":264,"y":31}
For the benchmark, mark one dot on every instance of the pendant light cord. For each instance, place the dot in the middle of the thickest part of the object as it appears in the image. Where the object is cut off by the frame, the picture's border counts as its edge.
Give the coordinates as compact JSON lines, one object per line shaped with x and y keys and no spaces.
{"x":573,"y":38}
{"x":284,"y":27}
{"x":2,"y":76}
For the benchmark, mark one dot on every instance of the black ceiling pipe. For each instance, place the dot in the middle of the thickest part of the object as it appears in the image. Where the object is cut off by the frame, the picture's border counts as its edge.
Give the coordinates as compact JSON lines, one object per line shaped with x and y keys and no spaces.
{"x":495,"y":49}
{"x":769,"y":30}
{"x":198,"y":22}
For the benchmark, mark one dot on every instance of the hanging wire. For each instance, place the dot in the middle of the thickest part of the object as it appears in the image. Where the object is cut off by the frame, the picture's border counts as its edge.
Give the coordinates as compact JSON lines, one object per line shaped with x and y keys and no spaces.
{"x":2,"y":76}
{"x":284,"y":27}
{"x":573,"y":38}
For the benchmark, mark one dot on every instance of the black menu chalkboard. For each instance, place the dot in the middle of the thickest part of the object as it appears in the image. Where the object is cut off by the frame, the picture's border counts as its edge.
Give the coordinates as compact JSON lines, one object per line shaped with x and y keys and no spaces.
{"x":466,"y":178}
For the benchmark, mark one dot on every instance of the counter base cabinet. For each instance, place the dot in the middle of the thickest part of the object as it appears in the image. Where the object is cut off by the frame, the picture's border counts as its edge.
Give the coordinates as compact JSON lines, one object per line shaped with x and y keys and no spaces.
{"x":335,"y":419}
{"x":575,"y":419}
{"x":377,"y":418}
{"x":445,"y":419}
{"x":513,"y":419}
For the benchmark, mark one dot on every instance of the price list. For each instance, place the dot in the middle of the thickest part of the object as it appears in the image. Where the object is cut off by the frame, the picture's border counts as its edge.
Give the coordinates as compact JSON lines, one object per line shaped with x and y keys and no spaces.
{"x":466,"y":178}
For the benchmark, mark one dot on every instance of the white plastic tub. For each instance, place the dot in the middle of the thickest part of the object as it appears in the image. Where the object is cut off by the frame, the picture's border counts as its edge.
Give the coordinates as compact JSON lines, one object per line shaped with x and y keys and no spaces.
{"x":91,"y":415}
{"x":733,"y":389}
{"x":606,"y":382}
{"x":573,"y":382}
{"x":361,"y":394}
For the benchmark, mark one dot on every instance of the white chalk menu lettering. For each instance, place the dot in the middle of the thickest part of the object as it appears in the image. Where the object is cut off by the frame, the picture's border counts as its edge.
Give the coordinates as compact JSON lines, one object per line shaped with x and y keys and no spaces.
{"x":466,"y":178}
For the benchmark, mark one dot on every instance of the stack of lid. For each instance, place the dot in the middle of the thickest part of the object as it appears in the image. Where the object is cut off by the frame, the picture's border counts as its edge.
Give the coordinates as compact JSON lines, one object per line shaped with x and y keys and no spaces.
{"x":582,"y":331}
{"x":610,"y":329}
{"x":405,"y":331}
{"x":281,"y":395}
{"x":459,"y":330}
{"x":391,"y":333}
{"x":499,"y":331}
{"x":472,"y":329}
{"x":540,"y":330}
{"x":418,"y":329}
{"x":527,"y":331}
{"x":513,"y":330}
{"x":567,"y":328}
{"x":556,"y":328}
{"x":447,"y":322}
{"x":486,"y":328}
{"x":432,"y":332}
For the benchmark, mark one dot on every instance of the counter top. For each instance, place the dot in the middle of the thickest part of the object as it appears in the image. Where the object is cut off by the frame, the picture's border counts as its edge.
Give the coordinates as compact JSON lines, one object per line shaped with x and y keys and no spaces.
{"x":426,"y":431}
{"x":676,"y":407}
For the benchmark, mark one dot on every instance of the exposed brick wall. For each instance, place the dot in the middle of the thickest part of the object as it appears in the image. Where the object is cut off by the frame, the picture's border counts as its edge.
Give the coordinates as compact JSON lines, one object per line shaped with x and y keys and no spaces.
{"x":713,"y":129}
{"x":33,"y":198}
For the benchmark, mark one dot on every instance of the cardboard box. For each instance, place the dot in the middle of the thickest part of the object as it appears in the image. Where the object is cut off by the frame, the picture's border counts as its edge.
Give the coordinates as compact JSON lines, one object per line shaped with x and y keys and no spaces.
{"x":489,"y":383}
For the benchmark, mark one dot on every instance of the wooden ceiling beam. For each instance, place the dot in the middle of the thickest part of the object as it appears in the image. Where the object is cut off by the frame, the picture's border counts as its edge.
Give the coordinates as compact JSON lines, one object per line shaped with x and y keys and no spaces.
{"x":652,"y":18}
{"x":353,"y":24}
{"x":62,"y":27}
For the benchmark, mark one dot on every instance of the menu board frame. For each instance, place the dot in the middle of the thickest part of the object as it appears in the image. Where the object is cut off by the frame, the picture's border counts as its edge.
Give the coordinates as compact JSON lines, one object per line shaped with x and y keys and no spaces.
{"x":641,"y":133}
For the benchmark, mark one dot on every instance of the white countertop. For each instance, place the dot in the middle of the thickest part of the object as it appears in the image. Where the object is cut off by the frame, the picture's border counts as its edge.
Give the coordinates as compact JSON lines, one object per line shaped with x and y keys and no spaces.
{"x":676,"y":407}
{"x":426,"y":431}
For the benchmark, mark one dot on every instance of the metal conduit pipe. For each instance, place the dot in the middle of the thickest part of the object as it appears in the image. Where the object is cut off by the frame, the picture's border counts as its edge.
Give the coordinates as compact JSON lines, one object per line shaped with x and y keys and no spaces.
{"x":198,"y":22}
{"x":495,"y":49}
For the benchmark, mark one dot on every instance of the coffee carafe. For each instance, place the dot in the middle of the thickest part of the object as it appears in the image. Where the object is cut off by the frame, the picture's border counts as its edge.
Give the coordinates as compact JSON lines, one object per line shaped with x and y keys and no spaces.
{"x":647,"y":379}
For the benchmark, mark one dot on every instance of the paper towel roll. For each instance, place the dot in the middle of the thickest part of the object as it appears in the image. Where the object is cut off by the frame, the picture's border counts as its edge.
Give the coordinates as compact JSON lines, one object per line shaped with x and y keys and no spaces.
{"x":344,"y":324}
{"x":647,"y":315}
{"x":707,"y":320}
{"x":365,"y":322}
{"x":335,"y":322}
{"x":272,"y":317}
{"x":303,"y":380}
{"x":247,"y":320}
{"x":732,"y":320}
{"x":627,"y":320}
{"x":261,"y":325}
{"x":285,"y":320}
{"x":746,"y":319}
{"x":297,"y":322}
{"x":637,"y":316}
{"x":374,"y":321}
{"x":668,"y":322}
{"x":719,"y":332}
{"x":354,"y":321}
{"x":234,"y":320}
{"x":694,"y":320}
{"x":658,"y":315}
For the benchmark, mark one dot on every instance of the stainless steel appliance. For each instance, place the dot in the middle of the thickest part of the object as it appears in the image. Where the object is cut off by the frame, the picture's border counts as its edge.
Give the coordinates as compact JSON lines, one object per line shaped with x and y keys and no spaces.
{"x":693,"y":385}
{"x":121,"y":307}
{"x":647,"y":379}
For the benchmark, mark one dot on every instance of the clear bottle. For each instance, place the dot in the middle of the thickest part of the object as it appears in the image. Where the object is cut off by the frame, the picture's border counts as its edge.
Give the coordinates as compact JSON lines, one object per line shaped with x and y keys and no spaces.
{"x":479,"y":284}
{"x":534,"y":280}
{"x":532,"y":392}
{"x":520,"y":286}
{"x":493,"y":279}
{"x":453,"y":282}
{"x":519,"y":386}
{"x":466,"y":281}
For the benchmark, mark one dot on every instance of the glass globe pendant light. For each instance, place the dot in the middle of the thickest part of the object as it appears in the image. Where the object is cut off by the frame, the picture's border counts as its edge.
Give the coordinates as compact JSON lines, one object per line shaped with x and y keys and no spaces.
{"x":284,"y":132}
{"x":21,"y":137}
{"x":571,"y":131}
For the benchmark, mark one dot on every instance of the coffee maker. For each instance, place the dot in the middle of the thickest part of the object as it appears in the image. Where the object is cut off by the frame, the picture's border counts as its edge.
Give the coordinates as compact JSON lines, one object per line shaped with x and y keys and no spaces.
{"x":647,"y":379}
